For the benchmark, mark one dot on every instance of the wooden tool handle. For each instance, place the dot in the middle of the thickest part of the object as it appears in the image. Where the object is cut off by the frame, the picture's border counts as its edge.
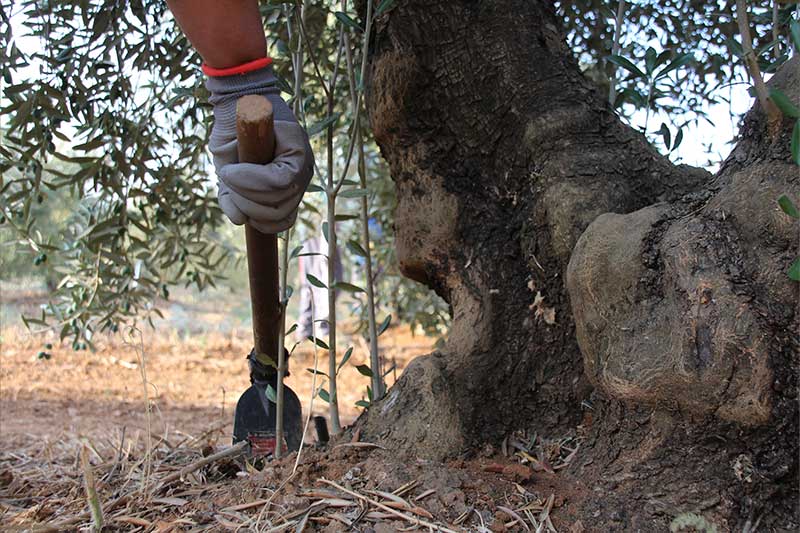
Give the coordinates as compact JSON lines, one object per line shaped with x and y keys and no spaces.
{"x":256,"y":142}
{"x":255,"y":132}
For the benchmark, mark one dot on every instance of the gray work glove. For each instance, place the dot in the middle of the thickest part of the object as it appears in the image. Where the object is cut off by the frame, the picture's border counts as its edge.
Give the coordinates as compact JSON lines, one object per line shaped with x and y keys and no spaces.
{"x":264,"y":196}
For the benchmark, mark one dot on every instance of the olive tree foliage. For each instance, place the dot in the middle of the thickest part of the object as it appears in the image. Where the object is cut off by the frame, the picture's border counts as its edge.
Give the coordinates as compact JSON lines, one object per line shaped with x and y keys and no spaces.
{"x":112,"y":90}
{"x":108,"y":110}
{"x":702,"y":38}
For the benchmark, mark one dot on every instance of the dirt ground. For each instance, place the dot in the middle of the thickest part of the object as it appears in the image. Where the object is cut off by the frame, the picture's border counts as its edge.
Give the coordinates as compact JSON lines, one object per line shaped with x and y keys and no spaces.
{"x":194,"y":365}
{"x":54,"y":410}
{"x":192,"y":382}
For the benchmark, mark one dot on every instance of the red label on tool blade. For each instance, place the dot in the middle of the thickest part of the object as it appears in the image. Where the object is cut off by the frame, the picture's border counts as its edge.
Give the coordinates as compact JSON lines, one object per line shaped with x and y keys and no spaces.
{"x":262,"y":444}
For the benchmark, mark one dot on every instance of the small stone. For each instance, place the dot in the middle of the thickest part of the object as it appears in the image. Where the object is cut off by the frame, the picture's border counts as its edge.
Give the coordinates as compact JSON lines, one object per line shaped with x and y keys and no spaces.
{"x":455,"y":502}
{"x":577,"y":527}
{"x":335,"y":527}
{"x":487,"y":450}
{"x":497,"y":526}
{"x":352,"y":474}
{"x":519,"y":472}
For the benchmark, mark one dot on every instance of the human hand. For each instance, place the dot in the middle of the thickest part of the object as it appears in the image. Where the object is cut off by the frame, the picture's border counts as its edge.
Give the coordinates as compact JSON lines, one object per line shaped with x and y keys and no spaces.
{"x":264,"y":196}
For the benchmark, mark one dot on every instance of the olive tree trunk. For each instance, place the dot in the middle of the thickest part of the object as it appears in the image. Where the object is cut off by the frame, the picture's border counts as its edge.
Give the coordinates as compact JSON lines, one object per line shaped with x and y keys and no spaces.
{"x":503,"y":154}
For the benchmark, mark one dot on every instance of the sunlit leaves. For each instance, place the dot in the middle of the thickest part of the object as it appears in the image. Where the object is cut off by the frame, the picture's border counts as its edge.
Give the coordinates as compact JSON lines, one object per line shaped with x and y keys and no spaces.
{"x":385,"y":324}
{"x":348,"y":21}
{"x":345,"y":358}
{"x":384,"y":6}
{"x":364,"y":370}
{"x":784,"y":104}
{"x":347,"y":287}
{"x":318,"y":127}
{"x":107,"y":119}
{"x":794,"y":270}
{"x":315,"y":281}
{"x":114,"y":130}
{"x":788,"y":206}
{"x":627,"y":65}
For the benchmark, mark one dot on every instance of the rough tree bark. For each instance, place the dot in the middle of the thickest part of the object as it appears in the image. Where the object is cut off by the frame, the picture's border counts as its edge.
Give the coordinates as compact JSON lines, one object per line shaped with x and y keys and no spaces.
{"x":503,"y":154}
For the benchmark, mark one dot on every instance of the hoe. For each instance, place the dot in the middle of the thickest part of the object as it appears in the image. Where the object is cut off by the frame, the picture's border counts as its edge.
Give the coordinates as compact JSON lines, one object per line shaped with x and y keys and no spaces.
{"x":257,"y":420}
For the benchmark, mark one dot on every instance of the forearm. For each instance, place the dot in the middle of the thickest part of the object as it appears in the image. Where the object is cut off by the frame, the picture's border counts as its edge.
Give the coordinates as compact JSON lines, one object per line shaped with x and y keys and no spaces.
{"x":225,"y":33}
{"x":229,"y":35}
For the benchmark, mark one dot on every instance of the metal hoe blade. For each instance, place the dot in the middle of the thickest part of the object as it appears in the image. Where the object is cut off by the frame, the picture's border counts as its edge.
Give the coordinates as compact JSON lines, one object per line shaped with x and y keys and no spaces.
{"x":254,"y":420}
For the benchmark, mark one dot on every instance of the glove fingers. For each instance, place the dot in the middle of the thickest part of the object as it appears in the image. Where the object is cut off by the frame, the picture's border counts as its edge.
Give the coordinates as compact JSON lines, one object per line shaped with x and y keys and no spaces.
{"x":256,"y":211}
{"x":271,"y":184}
{"x":290,"y":137}
{"x":236,"y":216}
{"x":291,"y":168}
{"x":264,"y":215}
{"x":275,"y":227}
{"x":228,"y":206}
{"x":277,"y":182}
{"x":223,"y":152}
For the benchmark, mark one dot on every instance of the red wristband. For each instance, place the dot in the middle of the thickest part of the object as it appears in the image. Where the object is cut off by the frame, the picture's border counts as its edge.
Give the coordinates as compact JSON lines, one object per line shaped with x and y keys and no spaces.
{"x":244,"y":68}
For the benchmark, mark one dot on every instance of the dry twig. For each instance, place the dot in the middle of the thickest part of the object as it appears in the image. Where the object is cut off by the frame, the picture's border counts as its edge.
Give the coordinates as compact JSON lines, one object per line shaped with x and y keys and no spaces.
{"x":404,"y":516}
{"x":95,"y":508}
{"x":237,"y":449}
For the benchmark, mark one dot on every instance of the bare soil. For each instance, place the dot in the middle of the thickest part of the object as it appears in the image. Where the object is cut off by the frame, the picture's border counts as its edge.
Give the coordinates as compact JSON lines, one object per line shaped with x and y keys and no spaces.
{"x":192,"y":382}
{"x":52,"y":408}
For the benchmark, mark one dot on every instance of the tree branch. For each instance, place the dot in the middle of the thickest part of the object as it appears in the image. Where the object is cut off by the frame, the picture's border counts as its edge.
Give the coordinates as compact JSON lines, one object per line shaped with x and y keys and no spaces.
{"x":751,"y":64}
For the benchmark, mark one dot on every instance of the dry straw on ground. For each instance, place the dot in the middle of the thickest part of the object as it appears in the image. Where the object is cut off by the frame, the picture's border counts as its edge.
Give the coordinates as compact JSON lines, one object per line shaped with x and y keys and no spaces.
{"x":76,"y":437}
{"x":194,"y":486}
